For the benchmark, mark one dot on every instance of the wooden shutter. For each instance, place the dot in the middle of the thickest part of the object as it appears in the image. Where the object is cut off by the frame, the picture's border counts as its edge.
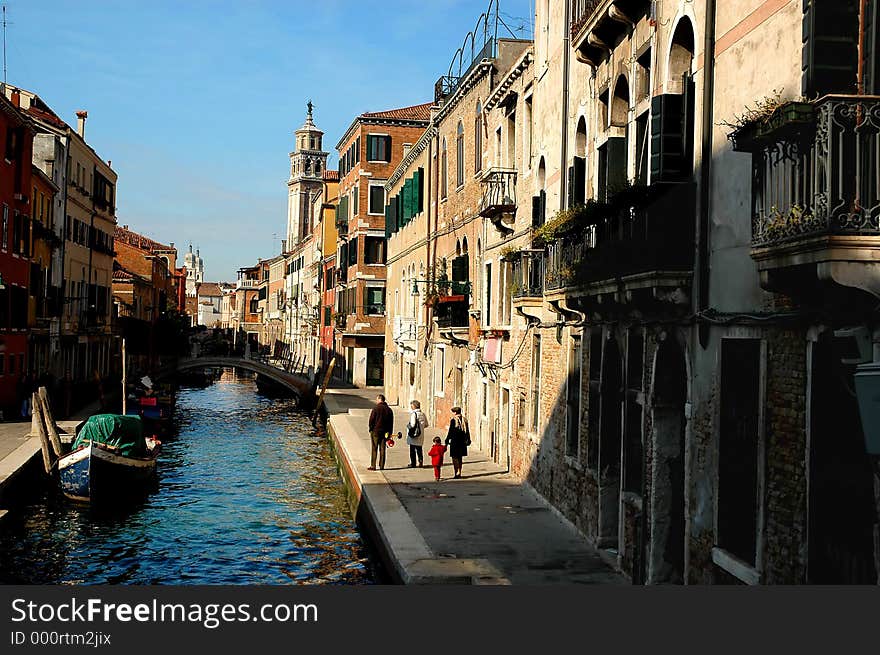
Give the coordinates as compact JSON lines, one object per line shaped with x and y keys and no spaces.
{"x":419,"y":182}
{"x":460,"y":267}
{"x":407,"y":200}
{"x":570,"y":198}
{"x":672,"y":134}
{"x":579,"y":194}
{"x":536,"y":211}
{"x":830,"y":47}
{"x":387,"y":143}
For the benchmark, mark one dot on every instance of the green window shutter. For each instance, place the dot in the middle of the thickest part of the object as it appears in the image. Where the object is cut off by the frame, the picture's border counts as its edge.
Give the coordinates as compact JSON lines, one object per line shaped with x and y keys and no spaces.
{"x":419,"y":182}
{"x":407,"y":200}
{"x":388,"y":231}
{"x":387,"y":143}
{"x":671,"y":135}
{"x":395,"y":212}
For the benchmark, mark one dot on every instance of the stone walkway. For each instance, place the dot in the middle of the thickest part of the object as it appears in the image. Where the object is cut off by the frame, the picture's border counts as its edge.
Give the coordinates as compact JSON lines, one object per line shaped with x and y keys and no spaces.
{"x":485,"y":527}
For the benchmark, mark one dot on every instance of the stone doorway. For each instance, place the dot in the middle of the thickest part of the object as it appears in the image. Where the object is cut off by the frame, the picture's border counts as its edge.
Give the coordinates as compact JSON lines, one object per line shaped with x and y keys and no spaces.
{"x":667,"y":547}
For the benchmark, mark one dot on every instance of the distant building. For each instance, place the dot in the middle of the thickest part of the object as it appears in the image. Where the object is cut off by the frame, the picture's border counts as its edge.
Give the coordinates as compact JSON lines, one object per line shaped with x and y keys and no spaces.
{"x":210,"y":297}
{"x":16,"y":142}
{"x":195,"y":271}
{"x":369,"y":151}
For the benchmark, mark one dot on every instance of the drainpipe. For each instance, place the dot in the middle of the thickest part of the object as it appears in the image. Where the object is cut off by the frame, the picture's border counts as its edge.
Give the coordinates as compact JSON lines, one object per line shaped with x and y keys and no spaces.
{"x":65,"y":307}
{"x":566,"y":59}
{"x":701,"y":283}
{"x":863,"y":9}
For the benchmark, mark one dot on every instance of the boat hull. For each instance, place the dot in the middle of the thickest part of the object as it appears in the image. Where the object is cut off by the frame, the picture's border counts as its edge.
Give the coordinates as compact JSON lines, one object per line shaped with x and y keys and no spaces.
{"x":93,"y":473}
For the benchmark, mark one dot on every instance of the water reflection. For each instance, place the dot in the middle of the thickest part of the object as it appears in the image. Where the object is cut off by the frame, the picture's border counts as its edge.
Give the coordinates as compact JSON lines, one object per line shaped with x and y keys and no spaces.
{"x":247,"y":493}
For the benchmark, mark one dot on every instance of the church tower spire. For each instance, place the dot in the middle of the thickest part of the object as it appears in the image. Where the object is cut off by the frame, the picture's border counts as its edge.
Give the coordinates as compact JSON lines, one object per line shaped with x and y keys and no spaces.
{"x":308,"y":161}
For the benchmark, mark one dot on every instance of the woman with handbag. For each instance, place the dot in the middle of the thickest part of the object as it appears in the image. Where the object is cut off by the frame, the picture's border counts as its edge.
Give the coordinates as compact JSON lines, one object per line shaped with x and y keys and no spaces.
{"x":415,"y":433}
{"x":458,"y":439}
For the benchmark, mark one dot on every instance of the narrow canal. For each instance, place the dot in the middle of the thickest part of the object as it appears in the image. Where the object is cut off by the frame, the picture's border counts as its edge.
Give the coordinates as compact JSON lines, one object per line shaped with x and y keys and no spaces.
{"x":247,"y":493}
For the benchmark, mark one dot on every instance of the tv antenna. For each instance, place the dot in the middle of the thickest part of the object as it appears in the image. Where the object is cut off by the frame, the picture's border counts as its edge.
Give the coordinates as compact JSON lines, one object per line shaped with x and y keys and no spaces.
{"x":5,"y":23}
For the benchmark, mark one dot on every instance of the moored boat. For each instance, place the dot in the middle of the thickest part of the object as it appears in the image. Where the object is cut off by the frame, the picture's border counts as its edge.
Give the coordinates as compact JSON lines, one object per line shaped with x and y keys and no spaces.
{"x":110,"y":458}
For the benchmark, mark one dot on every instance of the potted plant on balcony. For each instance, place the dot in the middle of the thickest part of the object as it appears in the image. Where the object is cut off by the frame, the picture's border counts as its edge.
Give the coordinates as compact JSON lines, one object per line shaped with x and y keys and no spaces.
{"x":509,"y":254}
{"x":769,"y":119}
{"x":571,"y":222}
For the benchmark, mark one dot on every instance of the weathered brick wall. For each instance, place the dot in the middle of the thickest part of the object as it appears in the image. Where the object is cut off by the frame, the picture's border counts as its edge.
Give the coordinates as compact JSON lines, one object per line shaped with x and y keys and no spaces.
{"x":785,"y":487}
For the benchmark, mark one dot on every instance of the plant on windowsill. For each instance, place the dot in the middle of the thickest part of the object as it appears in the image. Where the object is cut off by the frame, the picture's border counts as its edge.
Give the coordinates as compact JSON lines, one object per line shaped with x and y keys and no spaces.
{"x":572,"y":221}
{"x":509,"y":254}
{"x":769,"y":118}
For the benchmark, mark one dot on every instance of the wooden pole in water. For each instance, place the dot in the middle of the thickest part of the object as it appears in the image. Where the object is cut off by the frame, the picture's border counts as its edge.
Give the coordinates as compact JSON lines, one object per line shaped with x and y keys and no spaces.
{"x":323,"y":389}
{"x":38,"y":427}
{"x":124,"y":380}
{"x":49,"y":422}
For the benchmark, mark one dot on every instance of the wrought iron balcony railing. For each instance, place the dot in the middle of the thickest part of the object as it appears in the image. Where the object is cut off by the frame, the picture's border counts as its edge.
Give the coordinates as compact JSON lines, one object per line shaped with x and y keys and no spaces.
{"x":816,"y":173}
{"x":581,"y":11}
{"x":655,"y":235}
{"x":528,"y":274}
{"x":499,"y":192}
{"x":453,"y":314}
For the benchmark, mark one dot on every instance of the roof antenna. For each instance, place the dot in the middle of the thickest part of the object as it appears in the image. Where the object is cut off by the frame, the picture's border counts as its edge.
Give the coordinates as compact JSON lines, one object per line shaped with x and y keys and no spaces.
{"x":4,"y":43}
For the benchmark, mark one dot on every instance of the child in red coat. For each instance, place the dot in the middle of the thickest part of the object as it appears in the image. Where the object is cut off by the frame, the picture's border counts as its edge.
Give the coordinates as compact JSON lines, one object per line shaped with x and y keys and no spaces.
{"x":436,"y":455}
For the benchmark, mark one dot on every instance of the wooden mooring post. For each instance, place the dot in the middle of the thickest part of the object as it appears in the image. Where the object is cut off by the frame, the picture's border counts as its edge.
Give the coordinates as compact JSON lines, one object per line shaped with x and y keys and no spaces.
{"x":323,"y":389}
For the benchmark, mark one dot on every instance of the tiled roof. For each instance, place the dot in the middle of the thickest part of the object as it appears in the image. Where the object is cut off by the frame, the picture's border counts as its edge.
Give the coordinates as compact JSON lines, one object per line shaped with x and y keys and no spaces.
{"x":122,"y":274}
{"x":414,"y":113}
{"x":47,"y":116}
{"x":209,"y":289}
{"x":137,"y":240}
{"x":331,"y":175}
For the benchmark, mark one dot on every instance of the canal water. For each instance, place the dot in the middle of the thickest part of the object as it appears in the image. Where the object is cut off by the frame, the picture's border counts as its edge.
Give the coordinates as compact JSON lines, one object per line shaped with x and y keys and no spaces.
{"x":246,"y":493}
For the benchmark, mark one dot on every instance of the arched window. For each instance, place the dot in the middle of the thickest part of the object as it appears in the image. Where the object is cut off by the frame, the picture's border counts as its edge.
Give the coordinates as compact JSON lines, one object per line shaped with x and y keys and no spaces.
{"x":459,"y":155}
{"x":464,"y":245}
{"x":478,"y":139}
{"x":443,"y":169}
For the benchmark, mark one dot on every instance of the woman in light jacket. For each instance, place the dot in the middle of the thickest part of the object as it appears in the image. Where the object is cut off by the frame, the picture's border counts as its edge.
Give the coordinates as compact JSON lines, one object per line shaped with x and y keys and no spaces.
{"x":458,"y":439}
{"x":415,"y":433}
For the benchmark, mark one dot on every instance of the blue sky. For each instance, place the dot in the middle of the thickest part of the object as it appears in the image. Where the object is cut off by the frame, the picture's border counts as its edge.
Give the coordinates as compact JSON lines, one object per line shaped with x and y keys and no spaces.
{"x":195,"y":101}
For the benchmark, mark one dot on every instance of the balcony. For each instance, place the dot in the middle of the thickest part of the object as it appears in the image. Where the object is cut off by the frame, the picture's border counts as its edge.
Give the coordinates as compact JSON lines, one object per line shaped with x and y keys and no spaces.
{"x":596,"y":25}
{"x":499,"y":197}
{"x":451,"y":312}
{"x":244,"y":283}
{"x":404,"y":329}
{"x":527,"y":275}
{"x":631,"y":253}
{"x":816,"y":196}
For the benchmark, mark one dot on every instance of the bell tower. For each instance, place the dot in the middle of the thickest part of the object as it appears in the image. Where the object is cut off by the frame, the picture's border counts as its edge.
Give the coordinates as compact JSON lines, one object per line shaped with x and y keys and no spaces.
{"x":307,"y":164}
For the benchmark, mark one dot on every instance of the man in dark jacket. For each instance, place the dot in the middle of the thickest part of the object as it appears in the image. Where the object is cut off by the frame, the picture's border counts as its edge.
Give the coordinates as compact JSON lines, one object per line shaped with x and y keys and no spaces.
{"x":381,"y":424}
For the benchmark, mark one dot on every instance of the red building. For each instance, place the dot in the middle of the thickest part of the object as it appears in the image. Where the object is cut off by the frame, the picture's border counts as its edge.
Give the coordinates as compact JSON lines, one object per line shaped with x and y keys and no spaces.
{"x":16,"y":142}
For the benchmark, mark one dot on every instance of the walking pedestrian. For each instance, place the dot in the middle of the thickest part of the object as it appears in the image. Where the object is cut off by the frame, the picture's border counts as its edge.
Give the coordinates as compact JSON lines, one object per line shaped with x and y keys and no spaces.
{"x":415,"y":433}
{"x":436,"y":455}
{"x":381,"y":424}
{"x":25,"y":391}
{"x":458,"y":439}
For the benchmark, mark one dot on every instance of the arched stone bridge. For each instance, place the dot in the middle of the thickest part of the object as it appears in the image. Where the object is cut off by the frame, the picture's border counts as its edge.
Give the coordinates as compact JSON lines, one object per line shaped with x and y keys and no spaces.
{"x":297,"y":384}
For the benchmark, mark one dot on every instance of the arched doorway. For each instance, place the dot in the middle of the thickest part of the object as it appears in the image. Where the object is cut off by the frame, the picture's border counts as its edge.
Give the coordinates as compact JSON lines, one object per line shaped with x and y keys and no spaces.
{"x":609,"y":445}
{"x":667,"y":548}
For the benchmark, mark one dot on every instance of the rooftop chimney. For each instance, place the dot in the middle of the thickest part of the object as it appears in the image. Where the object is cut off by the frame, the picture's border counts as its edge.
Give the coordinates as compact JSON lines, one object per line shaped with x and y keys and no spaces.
{"x":15,"y":98}
{"x":81,"y":117}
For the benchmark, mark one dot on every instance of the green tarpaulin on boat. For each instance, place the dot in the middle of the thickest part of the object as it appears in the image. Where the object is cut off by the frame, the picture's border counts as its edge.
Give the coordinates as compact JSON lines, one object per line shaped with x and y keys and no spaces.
{"x":123,"y":432}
